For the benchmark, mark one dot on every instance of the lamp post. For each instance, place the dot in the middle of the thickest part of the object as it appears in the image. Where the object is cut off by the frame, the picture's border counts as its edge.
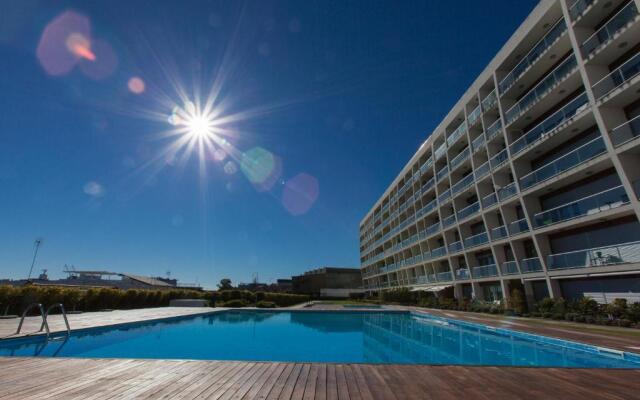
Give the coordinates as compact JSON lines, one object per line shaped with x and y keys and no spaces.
{"x":36,"y":246}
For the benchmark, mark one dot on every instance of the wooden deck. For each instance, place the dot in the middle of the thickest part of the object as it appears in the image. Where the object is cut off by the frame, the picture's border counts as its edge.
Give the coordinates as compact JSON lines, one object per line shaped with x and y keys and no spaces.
{"x":56,"y":378}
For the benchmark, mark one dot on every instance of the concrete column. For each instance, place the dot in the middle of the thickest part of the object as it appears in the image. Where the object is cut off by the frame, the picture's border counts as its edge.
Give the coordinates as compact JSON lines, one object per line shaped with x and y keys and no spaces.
{"x":506,"y":294}
{"x":554,"y":288}
{"x":457,"y":291}
{"x":477,"y":292}
{"x":528,"y":294}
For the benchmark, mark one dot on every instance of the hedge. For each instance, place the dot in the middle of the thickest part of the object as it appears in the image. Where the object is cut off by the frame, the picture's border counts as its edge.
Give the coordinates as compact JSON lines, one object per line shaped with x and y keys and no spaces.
{"x":279,"y":299}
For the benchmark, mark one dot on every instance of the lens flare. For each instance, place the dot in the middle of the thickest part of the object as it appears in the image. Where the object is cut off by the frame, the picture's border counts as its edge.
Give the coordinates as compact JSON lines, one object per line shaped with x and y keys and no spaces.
{"x":300,"y":193}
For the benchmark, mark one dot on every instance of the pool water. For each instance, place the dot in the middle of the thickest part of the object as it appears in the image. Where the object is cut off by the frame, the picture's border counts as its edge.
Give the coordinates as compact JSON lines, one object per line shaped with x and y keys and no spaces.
{"x":346,"y":336}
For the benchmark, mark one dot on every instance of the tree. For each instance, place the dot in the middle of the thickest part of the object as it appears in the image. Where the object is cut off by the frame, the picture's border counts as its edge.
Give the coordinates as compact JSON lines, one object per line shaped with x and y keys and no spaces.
{"x":225,"y":284}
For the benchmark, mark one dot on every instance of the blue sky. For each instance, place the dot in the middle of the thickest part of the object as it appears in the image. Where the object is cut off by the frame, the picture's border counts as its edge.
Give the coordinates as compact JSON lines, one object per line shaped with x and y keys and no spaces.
{"x":327,"y":99}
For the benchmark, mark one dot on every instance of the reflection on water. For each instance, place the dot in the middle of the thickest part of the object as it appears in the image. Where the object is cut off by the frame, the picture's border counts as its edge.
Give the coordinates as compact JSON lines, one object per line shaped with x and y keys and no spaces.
{"x":313,"y":336}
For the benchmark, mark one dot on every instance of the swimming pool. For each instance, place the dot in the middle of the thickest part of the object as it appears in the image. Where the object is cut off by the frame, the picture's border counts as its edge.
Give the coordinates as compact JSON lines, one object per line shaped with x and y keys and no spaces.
{"x":321,"y":336}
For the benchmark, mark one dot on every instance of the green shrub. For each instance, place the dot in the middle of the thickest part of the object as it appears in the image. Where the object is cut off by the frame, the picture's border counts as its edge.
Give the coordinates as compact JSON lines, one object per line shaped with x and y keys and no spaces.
{"x":401,"y":295}
{"x":633,"y":312}
{"x":545,"y":305}
{"x":516,"y":301}
{"x":587,"y":306}
{"x":286,"y":299}
{"x":265,"y":304}
{"x":235,"y":303}
{"x":617,"y":308}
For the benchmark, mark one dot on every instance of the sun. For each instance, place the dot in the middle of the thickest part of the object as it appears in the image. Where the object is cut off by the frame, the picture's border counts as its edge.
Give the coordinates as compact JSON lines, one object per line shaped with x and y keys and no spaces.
{"x":199,"y":126}
{"x":190,"y":120}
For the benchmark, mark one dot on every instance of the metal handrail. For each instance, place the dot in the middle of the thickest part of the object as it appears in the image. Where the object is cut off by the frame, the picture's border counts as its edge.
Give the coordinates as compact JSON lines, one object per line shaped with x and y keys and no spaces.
{"x":64,"y":315}
{"x":42,"y":313}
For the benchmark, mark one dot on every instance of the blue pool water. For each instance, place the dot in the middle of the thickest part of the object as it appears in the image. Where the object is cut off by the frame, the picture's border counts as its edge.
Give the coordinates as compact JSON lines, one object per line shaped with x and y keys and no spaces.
{"x":348,"y":336}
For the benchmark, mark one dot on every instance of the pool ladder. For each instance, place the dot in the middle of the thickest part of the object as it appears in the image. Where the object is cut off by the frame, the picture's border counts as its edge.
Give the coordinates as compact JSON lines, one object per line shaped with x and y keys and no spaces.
{"x":45,"y":315}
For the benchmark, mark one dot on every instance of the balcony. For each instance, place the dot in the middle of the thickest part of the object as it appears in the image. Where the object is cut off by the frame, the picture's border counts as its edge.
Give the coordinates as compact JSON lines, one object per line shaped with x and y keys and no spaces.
{"x":478,"y":143}
{"x":493,"y":130}
{"x":626,"y":132}
{"x":431,"y":229}
{"x":444,"y":276}
{"x":499,"y":233}
{"x":442,"y":173}
{"x":594,"y":204}
{"x":534,"y":54}
{"x":429,"y":206}
{"x":462,"y":184}
{"x":468,"y":211}
{"x":556,"y":76}
{"x":509,"y":268}
{"x":577,"y":8}
{"x":489,"y":200}
{"x":438,"y":252}
{"x":518,"y":226}
{"x":611,"y":27}
{"x":440,"y":150}
{"x":474,"y":116}
{"x":426,"y":165}
{"x":457,"y":134}
{"x":564,"y":163}
{"x":460,"y":158}
{"x":601,"y":256}
{"x":462,"y":274}
{"x":446,"y":195}
{"x":561,"y":116}
{"x":476,"y":240}
{"x":499,"y":159}
{"x":428,"y":185}
{"x":455,"y":247}
{"x":529,"y":265}
{"x":485,"y":271}
{"x":482,"y":170}
{"x":620,"y":75}
{"x":508,"y":191}
{"x":489,"y":102}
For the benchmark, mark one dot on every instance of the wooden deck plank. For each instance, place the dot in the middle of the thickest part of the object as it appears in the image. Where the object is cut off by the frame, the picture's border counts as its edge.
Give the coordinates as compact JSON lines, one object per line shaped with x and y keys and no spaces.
{"x":301,"y":383}
{"x":289,"y":374}
{"x":264,"y":385}
{"x":332,"y":384}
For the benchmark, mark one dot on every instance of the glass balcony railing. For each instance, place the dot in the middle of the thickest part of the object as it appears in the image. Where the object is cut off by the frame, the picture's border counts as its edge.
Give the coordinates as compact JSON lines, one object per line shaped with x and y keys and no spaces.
{"x":444,"y":276}
{"x":556,"y":76}
{"x":460,"y":158}
{"x":426,"y":165}
{"x":518,"y":226}
{"x":446,"y":195}
{"x":451,"y":219}
{"x":442,"y":173}
{"x":529,"y":265}
{"x":457,"y":134}
{"x":554,"y":33}
{"x":499,"y":233}
{"x":429,"y":207}
{"x":462,"y":274}
{"x":440,"y":150}
{"x":571,"y":109}
{"x":508,"y":191}
{"x":499,"y":159}
{"x":596,"y":203}
{"x":462,"y":184}
{"x":493,"y":130}
{"x":455,"y":247}
{"x":489,"y":200}
{"x":608,"y":255}
{"x":626,"y":132}
{"x":438,"y":252}
{"x":431,"y":229}
{"x":620,"y":75}
{"x":476,"y":240}
{"x":478,"y":143}
{"x":474,"y":116}
{"x":509,"y":268}
{"x":482,"y":170}
{"x":468,"y":211}
{"x":577,"y":8}
{"x":428,"y":185}
{"x":485,"y":271}
{"x":570,"y":160}
{"x":489,"y":102}
{"x":611,"y":27}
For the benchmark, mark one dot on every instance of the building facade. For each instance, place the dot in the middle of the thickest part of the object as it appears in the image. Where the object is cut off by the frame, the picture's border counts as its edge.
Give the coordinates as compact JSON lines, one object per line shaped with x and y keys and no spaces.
{"x":314,"y":281}
{"x":532,"y":179}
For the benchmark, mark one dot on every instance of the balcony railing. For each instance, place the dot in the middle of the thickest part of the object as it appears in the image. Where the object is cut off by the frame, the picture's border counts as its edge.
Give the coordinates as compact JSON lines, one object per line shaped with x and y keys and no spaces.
{"x":446,"y":195}
{"x":442,"y":173}
{"x":561,"y":116}
{"x":509,"y":268}
{"x":428,"y":185}
{"x":462,"y":274}
{"x":429,"y":206}
{"x":518,"y":226}
{"x":478,"y":143}
{"x":425,"y":166}
{"x":448,"y":220}
{"x":438,"y":252}
{"x":485,"y":271}
{"x":499,"y":159}
{"x":508,"y":191}
{"x":440,"y":150}
{"x":431,"y":229}
{"x":556,"y":76}
{"x":489,"y":200}
{"x":533,"y":55}
{"x":626,"y":132}
{"x":476,"y":240}
{"x":455,"y":247}
{"x":596,"y":203}
{"x":444,"y":276}
{"x":577,"y":8}
{"x":490,"y":101}
{"x":608,"y":255}
{"x":468,"y":211}
{"x":610,"y":28}
{"x":499,"y":233}
{"x":493,"y":130}
{"x":460,"y":130}
{"x":570,"y":160}
{"x":474,"y":116}
{"x":482,"y":170}
{"x":459,"y":159}
{"x":529,"y":265}
{"x":620,"y":75}
{"x":462,"y":184}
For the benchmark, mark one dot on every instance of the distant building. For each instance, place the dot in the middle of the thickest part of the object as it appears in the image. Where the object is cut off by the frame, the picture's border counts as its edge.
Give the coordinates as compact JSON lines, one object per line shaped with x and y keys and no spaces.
{"x":312,"y":282}
{"x":253,"y":286}
{"x":284,"y":285}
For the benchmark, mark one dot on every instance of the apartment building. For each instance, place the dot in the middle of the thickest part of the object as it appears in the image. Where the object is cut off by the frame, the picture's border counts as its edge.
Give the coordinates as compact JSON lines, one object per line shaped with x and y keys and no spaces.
{"x":532,"y":179}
